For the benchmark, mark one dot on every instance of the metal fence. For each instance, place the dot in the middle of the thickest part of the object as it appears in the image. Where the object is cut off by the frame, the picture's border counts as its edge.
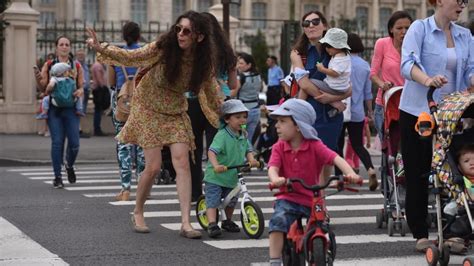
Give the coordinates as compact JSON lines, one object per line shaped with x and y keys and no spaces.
{"x":110,"y":32}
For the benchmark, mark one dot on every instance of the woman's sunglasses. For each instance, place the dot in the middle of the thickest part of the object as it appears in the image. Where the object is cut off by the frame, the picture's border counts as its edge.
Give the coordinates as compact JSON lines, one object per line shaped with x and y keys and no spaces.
{"x":314,"y":21}
{"x":460,"y":2}
{"x":180,"y":29}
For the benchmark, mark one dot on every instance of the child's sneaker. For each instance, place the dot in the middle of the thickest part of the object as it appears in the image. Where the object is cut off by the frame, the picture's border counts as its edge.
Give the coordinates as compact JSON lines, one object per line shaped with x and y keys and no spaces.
{"x":41,"y":116}
{"x":213,"y":230}
{"x":230,"y":226}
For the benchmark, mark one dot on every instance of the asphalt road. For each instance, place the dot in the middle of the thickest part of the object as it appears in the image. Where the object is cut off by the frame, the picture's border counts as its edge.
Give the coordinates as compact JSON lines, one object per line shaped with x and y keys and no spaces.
{"x":82,"y":225}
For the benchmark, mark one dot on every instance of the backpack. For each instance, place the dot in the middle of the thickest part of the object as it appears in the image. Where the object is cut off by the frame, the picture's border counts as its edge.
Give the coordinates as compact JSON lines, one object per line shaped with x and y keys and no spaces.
{"x":62,"y":94}
{"x":124,"y":98}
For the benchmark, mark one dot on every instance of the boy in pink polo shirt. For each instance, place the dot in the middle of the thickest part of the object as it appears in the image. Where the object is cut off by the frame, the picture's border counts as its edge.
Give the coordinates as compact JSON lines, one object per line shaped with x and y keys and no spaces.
{"x":298,"y":153}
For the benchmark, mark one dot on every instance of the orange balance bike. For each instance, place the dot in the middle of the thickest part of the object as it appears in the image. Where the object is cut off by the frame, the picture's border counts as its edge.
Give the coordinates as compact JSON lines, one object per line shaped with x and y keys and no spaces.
{"x":315,"y":242}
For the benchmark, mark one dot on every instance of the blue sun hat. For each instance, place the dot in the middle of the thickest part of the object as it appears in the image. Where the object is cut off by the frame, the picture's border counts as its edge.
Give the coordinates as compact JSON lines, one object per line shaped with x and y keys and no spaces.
{"x":231,"y":106}
{"x":58,"y":69}
{"x":303,"y":114}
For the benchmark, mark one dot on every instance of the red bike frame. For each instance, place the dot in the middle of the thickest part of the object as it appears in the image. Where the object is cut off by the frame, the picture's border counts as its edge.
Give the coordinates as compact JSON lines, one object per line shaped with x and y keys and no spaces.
{"x":302,"y":237}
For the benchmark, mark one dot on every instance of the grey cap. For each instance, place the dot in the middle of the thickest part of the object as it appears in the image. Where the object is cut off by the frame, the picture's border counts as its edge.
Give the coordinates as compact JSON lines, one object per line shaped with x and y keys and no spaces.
{"x":336,"y":37}
{"x":233,"y":106}
{"x":58,"y":69}
{"x":303,"y":114}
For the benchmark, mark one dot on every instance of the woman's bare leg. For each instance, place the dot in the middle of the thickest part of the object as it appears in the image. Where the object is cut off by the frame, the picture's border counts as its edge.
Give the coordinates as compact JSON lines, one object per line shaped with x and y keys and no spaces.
{"x":180,"y":157}
{"x":152,"y":168}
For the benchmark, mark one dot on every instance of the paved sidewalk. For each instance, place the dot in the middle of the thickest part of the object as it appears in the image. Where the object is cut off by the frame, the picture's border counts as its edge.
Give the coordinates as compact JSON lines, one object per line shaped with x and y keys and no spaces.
{"x":34,"y":149}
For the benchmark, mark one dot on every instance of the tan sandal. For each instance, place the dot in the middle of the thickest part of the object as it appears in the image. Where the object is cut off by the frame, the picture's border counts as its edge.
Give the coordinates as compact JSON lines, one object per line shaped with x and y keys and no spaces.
{"x":139,"y":228}
{"x":191,"y":234}
{"x":456,"y":245}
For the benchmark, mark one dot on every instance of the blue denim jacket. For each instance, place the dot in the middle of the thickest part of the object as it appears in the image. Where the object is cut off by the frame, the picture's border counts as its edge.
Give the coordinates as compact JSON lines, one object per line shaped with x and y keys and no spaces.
{"x":425,"y":45}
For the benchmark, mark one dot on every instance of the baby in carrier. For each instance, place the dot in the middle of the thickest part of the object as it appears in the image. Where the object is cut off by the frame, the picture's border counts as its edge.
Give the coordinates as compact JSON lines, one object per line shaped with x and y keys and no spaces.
{"x":60,"y":91}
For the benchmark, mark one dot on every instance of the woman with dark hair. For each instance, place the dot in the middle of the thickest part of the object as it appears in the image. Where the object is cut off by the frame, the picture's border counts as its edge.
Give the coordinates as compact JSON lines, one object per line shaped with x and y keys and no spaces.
{"x":361,"y":93}
{"x":250,"y":86}
{"x":385,"y":69}
{"x":306,"y":53}
{"x":181,"y":60}
{"x":117,"y":75}
{"x":436,"y":52}
{"x":227,"y":78}
{"x":62,"y":121}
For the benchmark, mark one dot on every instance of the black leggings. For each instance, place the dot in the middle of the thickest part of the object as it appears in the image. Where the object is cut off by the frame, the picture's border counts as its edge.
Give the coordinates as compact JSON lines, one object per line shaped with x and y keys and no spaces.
{"x":200,"y":125}
{"x":416,"y":154}
{"x":354,"y":129}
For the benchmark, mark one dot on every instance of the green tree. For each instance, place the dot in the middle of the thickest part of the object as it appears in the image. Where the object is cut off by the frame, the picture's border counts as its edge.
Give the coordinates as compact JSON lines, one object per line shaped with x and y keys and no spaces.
{"x":3,"y":5}
{"x":259,"y":48}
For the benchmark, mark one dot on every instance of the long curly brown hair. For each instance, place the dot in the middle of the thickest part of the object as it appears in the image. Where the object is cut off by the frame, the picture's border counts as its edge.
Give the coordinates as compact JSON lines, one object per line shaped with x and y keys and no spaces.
{"x":203,"y":63}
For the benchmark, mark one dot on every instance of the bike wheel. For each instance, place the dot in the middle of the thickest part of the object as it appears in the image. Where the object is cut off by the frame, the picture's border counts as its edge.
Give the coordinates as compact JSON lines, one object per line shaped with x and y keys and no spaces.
{"x":201,"y":212}
{"x":318,"y":256}
{"x":255,"y":223}
{"x":290,"y":257}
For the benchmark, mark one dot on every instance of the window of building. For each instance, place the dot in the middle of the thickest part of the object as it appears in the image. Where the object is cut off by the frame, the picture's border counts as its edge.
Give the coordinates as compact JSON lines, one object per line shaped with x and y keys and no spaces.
{"x":411,"y":12}
{"x":90,"y":10}
{"x":178,"y":8}
{"x":310,"y":7}
{"x":204,"y":5}
{"x":234,"y":10}
{"x":362,"y":18}
{"x":259,"y":11}
{"x":47,"y":17}
{"x":384,"y":15}
{"x":138,"y":11}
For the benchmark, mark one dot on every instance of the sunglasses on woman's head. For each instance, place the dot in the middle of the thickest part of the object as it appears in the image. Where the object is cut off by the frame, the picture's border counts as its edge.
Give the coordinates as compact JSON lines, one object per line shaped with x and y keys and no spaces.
{"x":460,"y":2}
{"x":180,"y":29}
{"x":314,"y":21}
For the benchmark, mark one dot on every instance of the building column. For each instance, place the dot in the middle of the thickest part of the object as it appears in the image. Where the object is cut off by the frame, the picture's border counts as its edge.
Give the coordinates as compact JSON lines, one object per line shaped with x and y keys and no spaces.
{"x":77,"y":9}
{"x":19,"y":54}
{"x":163,"y":12}
{"x":399,"y":4}
{"x":376,"y":15}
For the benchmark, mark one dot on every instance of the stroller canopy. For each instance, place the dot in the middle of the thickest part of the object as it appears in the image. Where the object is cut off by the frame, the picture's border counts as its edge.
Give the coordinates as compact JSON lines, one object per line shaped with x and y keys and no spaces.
{"x":450,"y":111}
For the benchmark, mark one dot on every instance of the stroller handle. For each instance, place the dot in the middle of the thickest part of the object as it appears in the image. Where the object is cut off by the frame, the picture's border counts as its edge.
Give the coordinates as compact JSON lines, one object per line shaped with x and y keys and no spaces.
{"x":431,"y":103}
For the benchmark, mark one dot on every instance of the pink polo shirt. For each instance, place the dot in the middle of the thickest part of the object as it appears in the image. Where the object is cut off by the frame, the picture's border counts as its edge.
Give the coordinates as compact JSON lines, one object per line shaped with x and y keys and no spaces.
{"x":306,"y":163}
{"x":386,"y":65}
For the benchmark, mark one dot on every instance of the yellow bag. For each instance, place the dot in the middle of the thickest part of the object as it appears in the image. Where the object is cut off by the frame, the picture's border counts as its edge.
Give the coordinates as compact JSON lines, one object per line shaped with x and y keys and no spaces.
{"x":124,"y":98}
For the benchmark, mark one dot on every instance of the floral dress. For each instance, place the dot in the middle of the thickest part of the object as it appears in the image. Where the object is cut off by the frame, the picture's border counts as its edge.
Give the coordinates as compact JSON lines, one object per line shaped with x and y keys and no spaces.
{"x":158,"y":114}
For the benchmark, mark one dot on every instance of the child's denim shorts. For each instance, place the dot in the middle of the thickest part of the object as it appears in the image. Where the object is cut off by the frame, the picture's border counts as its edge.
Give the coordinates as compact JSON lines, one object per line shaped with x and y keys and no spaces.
{"x":214,"y":194}
{"x":285,"y":213}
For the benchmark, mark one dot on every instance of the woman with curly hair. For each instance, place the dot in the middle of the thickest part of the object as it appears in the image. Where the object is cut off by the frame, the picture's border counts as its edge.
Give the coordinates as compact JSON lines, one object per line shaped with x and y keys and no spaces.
{"x":180,"y":61}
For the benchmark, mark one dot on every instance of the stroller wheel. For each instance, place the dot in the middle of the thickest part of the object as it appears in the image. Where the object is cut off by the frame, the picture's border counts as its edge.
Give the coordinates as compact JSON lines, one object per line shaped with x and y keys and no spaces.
{"x":390,"y":226}
{"x":468,"y":261}
{"x":432,"y":255}
{"x":444,"y":258}
{"x":379,"y":218}
{"x":404,"y":228}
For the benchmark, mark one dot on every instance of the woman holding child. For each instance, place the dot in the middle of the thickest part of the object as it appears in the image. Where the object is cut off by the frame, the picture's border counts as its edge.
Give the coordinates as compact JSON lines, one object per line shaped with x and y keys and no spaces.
{"x":180,"y":60}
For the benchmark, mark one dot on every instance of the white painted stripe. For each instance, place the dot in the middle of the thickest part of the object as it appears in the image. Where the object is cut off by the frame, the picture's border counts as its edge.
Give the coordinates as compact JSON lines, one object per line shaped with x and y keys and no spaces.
{"x":114,"y":177}
{"x":334,"y":221}
{"x":77,"y":173}
{"x":19,"y":249}
{"x":157,"y":193}
{"x":395,"y":261}
{"x":134,"y":187}
{"x":270,"y":210}
{"x":353,"y":239}
{"x":48,"y":169}
{"x":98,"y":181}
{"x":257,"y":199}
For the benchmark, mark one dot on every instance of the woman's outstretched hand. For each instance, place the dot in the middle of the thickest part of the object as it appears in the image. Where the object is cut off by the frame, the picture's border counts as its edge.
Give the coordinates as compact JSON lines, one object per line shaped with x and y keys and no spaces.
{"x":92,"y":41}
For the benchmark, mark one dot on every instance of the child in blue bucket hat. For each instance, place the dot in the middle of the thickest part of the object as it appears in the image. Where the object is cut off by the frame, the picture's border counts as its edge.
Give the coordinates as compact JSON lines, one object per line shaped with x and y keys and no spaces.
{"x":298,"y":153}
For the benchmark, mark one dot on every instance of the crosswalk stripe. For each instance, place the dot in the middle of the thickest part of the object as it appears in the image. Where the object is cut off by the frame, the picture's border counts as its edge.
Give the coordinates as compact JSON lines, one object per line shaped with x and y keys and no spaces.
{"x":77,"y":173}
{"x":257,"y":199}
{"x":270,"y":210}
{"x":48,"y":168}
{"x":76,"y":188}
{"x":19,"y":249}
{"x":352,"y":239}
{"x":114,"y":177}
{"x":334,"y":221}
{"x":90,"y":181}
{"x":157,"y":193}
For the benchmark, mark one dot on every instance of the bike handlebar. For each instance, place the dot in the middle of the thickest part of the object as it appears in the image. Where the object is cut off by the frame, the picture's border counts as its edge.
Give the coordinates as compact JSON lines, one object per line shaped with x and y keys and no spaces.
{"x":245,"y":165}
{"x":341,"y":180}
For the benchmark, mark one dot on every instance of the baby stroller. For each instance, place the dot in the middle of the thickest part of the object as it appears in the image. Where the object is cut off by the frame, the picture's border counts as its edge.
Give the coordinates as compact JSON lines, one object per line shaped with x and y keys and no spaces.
{"x":266,"y":140}
{"x":449,"y":188}
{"x":392,"y":175}
{"x":167,"y":173}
